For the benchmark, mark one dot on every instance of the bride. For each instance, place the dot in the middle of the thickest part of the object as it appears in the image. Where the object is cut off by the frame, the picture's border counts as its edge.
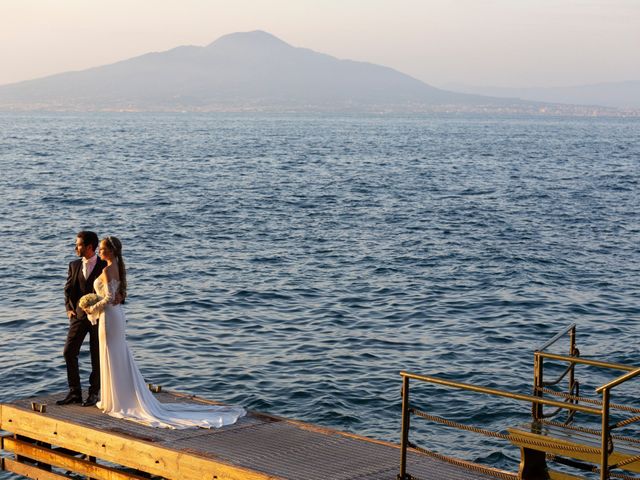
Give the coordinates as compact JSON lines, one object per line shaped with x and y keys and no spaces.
{"x":124,"y":393}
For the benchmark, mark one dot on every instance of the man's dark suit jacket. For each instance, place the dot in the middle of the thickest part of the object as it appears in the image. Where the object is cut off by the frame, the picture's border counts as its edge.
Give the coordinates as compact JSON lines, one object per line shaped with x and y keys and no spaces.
{"x":77,"y":285}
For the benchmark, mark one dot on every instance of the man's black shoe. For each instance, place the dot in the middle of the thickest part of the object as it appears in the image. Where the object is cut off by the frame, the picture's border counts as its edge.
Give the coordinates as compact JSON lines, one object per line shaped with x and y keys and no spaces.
{"x":91,"y":400}
{"x":71,"y":397}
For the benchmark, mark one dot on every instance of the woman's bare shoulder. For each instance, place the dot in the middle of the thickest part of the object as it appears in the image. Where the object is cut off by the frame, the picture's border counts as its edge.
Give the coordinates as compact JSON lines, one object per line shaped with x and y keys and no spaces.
{"x":111,"y":272}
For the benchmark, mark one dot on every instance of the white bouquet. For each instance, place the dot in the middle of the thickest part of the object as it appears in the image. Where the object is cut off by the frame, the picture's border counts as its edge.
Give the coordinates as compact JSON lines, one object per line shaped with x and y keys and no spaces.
{"x":89,"y":300}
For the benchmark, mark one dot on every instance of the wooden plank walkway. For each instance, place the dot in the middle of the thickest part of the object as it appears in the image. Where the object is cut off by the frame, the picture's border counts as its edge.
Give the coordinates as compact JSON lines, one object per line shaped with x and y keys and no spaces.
{"x":257,"y":447}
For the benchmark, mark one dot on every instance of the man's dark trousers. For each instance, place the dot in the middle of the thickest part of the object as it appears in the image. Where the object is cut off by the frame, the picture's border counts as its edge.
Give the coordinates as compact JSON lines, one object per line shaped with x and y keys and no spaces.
{"x":79,"y":325}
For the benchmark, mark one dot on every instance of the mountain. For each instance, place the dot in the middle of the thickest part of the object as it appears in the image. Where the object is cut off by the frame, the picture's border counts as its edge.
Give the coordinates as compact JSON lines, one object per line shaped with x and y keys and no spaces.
{"x":240,"y":71}
{"x":623,"y":95}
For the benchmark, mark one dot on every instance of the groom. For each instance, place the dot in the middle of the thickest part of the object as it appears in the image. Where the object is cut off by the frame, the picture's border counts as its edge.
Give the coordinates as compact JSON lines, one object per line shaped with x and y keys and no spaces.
{"x":82,"y":273}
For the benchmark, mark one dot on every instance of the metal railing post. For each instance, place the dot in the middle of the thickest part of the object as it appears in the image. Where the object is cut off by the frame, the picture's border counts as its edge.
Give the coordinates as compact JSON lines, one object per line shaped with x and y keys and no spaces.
{"x":406,"y":420}
{"x":604,"y":455}
{"x":572,"y":340}
{"x":538,"y":369}
{"x":573,"y":387}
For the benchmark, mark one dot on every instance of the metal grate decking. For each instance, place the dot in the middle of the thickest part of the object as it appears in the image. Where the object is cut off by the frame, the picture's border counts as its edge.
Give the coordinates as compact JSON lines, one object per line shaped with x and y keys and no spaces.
{"x":258,"y":446}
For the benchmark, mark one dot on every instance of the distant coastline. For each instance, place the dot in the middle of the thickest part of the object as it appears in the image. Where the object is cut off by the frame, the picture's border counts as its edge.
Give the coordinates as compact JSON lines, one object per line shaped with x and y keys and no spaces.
{"x":624,"y":96}
{"x":533,"y":110}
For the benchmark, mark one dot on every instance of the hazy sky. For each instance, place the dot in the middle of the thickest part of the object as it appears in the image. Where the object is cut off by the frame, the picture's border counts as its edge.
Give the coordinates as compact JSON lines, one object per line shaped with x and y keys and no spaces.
{"x":476,"y":42}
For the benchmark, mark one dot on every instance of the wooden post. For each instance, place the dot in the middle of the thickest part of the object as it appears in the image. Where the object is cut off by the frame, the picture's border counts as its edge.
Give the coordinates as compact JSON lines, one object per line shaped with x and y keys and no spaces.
{"x":533,"y":465}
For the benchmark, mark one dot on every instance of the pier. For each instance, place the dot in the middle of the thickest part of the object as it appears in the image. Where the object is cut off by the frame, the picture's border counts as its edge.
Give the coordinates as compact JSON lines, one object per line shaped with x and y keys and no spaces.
{"x":45,"y":441}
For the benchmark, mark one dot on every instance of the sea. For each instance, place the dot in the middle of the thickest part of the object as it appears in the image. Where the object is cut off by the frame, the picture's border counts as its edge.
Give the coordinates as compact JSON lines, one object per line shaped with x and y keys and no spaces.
{"x":294,"y":264}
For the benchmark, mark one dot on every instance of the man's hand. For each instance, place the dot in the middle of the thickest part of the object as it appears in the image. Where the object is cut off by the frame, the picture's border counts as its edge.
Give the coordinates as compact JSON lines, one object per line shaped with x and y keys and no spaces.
{"x":117,"y":300}
{"x":71,"y":313}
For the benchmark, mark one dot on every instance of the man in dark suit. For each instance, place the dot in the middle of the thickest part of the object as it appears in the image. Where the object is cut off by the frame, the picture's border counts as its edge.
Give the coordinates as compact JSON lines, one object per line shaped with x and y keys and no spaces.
{"x":82,"y":273}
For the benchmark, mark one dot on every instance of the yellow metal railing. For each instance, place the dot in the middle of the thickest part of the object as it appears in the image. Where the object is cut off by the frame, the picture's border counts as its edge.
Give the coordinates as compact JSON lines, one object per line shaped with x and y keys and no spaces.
{"x":539,"y":381}
{"x":537,"y":400}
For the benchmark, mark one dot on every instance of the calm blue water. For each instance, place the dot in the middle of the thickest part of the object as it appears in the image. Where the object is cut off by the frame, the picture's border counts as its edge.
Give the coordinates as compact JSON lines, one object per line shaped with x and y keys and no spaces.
{"x":295,"y":264}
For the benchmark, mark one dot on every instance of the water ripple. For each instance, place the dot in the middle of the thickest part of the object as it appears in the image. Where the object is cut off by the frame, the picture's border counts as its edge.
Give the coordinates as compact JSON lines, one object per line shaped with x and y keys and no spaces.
{"x":295,"y":264}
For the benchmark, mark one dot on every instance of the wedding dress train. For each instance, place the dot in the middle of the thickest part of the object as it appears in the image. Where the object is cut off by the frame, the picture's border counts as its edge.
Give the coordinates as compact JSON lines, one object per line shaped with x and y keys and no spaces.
{"x":123,"y":391}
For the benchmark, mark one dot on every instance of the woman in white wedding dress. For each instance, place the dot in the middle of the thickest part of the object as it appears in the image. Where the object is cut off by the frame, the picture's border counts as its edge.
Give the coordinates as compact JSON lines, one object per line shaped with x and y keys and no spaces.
{"x":123,"y":391}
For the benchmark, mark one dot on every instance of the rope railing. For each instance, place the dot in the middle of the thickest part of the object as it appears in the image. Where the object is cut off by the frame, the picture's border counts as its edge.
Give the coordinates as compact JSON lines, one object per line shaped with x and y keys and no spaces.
{"x":604,"y":450}
{"x":474,"y":467}
{"x":592,"y":401}
{"x":624,"y":423}
{"x":504,"y":436}
{"x":519,"y":439}
{"x":626,"y":461}
{"x":572,"y":402}
{"x":460,"y":426}
{"x":586,"y":467}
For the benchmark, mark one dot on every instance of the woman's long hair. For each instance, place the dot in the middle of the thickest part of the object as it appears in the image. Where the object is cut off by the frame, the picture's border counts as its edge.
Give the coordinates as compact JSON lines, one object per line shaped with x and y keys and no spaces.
{"x":115,"y":245}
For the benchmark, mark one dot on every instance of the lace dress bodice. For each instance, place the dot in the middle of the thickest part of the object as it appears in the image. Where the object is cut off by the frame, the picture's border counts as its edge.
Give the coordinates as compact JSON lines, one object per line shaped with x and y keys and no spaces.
{"x":106,"y":290}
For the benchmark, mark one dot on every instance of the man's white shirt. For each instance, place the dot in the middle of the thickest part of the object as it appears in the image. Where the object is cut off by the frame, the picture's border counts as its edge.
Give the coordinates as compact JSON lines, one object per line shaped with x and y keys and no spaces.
{"x":87,"y":266}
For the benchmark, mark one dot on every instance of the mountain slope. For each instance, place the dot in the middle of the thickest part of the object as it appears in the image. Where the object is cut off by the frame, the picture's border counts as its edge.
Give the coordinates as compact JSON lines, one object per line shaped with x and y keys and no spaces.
{"x":252,"y":70}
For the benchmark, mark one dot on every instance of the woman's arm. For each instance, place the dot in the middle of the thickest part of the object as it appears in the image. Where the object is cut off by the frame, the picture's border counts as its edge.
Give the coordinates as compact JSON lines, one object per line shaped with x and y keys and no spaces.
{"x":110,"y":280}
